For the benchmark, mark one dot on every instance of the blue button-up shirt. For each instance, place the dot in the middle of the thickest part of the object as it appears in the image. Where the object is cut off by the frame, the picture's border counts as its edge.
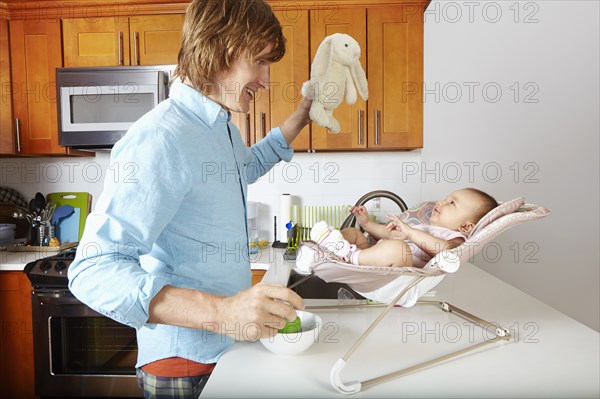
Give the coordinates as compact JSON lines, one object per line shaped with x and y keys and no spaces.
{"x":172,"y":212}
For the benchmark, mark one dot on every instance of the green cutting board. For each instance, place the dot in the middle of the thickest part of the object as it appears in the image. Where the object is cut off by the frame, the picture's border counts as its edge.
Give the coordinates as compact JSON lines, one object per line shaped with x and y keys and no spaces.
{"x":81,"y":202}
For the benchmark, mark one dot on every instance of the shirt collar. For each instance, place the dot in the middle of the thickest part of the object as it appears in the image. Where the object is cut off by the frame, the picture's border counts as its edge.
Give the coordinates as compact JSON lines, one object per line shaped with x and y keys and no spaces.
{"x":205,"y":108}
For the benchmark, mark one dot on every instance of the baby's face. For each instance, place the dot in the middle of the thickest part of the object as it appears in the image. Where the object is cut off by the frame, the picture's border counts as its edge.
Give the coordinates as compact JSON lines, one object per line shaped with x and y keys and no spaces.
{"x":455,"y":211}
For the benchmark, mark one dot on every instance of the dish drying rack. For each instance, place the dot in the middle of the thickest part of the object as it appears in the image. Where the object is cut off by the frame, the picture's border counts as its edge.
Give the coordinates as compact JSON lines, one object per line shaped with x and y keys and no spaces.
{"x":304,"y":218}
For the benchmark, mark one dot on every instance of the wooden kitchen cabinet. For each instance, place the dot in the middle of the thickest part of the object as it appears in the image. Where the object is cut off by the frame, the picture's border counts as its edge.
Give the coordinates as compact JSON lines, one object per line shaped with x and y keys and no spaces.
{"x":272,"y":107}
{"x":395,"y":74}
{"x":111,"y":41}
{"x":7,"y":146}
{"x":352,"y":118}
{"x":16,"y":343}
{"x":257,"y":276}
{"x":391,"y":39}
{"x":35,"y":47}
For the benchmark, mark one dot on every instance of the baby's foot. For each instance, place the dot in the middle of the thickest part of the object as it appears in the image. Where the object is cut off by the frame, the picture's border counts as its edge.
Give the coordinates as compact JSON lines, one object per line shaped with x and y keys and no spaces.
{"x":331,"y":239}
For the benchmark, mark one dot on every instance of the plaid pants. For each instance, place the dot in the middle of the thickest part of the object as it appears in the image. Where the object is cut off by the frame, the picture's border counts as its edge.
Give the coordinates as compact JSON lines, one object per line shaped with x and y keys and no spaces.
{"x":155,"y":387}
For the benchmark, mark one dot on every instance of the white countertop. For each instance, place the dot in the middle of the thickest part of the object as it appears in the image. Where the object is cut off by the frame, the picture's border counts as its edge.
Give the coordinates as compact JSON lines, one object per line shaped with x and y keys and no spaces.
{"x":551,"y":355}
{"x":16,"y":261}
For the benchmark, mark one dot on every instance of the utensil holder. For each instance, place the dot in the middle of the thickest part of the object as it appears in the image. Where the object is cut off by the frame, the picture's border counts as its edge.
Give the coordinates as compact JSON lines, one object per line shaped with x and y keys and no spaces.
{"x":41,"y":235}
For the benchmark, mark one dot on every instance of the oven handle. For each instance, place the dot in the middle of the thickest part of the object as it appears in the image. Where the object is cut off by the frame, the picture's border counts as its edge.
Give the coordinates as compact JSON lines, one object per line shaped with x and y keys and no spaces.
{"x":52,"y":299}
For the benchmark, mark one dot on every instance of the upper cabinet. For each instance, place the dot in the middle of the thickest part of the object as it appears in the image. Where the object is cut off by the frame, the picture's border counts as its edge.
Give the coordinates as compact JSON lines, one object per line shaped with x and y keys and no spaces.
{"x":271,"y":107}
{"x":7,"y":145}
{"x":35,"y":54}
{"x":395,"y":54}
{"x":135,"y":40}
{"x":391,"y":39}
{"x":390,"y":33}
{"x":352,"y":118}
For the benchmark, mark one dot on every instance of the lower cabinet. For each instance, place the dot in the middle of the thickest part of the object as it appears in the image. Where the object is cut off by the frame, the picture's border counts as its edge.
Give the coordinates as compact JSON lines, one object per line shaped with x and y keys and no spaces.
{"x":257,"y":276}
{"x":16,"y":340}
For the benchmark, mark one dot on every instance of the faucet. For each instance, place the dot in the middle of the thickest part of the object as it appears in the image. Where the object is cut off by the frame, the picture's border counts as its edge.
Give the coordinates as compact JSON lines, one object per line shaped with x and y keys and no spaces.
{"x":351,"y":219}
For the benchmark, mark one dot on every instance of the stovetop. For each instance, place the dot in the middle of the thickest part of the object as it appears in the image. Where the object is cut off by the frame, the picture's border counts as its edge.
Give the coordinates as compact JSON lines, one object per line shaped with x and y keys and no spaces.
{"x":51,"y":271}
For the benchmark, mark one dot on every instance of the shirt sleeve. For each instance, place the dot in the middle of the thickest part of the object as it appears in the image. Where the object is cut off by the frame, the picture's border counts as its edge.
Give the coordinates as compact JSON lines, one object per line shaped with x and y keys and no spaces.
{"x":140,"y":197}
{"x":266,"y":153}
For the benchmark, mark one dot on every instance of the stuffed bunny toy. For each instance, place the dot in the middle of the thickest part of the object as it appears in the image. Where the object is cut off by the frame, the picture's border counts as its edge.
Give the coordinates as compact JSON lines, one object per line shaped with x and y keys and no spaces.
{"x":335,"y":70}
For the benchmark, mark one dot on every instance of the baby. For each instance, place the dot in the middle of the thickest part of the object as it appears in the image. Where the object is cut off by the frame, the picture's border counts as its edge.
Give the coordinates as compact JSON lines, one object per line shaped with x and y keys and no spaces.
{"x":400,"y":244}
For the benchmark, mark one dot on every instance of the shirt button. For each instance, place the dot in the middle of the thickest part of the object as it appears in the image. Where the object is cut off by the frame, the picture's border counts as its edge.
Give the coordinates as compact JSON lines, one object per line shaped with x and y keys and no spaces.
{"x":222,"y":114}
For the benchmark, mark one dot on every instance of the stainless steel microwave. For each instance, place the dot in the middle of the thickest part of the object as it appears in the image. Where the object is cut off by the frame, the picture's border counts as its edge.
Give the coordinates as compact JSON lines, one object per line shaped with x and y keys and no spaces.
{"x":97,"y":105}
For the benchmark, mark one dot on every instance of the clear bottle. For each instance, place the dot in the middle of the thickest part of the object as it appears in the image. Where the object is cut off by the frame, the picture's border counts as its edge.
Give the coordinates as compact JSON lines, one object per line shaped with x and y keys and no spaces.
{"x":253,"y":228}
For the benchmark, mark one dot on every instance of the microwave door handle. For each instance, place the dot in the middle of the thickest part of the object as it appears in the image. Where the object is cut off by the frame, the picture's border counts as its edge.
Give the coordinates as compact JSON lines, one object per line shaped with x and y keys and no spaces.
{"x":120,"y":47}
{"x":136,"y":39}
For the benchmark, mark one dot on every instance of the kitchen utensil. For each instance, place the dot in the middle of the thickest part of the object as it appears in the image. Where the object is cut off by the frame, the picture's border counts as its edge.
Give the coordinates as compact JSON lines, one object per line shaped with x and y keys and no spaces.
{"x":294,"y":343}
{"x":40,"y":201}
{"x":32,"y":206}
{"x":61,"y":212}
{"x":64,"y":232}
{"x":74,"y":224}
{"x":41,"y":234}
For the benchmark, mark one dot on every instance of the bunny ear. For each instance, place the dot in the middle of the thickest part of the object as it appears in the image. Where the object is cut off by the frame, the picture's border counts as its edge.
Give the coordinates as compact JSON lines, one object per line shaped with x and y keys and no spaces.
{"x":360,"y":80}
{"x":322,"y":59}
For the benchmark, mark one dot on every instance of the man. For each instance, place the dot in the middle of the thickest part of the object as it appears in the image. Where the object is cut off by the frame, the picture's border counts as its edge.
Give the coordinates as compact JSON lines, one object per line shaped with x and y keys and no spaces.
{"x":166,"y":250}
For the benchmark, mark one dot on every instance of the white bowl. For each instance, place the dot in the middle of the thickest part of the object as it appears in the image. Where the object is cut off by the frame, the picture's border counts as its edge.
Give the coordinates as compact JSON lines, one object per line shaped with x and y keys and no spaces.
{"x":294,"y":343}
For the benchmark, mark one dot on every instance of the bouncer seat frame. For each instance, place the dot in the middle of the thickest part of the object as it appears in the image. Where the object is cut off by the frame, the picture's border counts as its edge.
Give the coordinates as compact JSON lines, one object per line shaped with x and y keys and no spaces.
{"x":378,"y":283}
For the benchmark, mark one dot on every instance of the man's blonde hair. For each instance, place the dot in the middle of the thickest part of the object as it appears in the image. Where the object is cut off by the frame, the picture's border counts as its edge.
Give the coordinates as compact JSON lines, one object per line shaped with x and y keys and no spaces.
{"x":218,"y":32}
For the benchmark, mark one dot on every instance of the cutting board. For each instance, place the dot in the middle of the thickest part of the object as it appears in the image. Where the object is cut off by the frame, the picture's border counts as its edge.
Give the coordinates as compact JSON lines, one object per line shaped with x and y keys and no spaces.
{"x":70,"y":229}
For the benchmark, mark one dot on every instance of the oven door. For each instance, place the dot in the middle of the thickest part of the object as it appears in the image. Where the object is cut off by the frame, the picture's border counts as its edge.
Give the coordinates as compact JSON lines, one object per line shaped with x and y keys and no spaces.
{"x":79,"y":352}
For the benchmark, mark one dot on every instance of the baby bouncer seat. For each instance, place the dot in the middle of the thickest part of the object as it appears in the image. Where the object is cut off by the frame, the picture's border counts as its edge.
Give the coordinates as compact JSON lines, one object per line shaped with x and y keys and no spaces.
{"x":403,"y":286}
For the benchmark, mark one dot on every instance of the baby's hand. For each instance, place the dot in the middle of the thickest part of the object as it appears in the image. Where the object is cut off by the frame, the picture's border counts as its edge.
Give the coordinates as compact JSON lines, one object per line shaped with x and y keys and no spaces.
{"x":398,"y":229}
{"x":361,"y":214}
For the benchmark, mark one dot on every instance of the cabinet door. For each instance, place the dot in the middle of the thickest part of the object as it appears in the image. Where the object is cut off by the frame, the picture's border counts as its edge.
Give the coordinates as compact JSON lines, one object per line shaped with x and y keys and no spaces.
{"x":245,"y":124}
{"x":6,"y":132}
{"x":155,"y":39}
{"x":352,"y":118}
{"x":395,"y":53}
{"x":16,"y":343}
{"x":96,"y":42}
{"x":257,"y":276}
{"x":273,"y":107}
{"x":36,"y":53}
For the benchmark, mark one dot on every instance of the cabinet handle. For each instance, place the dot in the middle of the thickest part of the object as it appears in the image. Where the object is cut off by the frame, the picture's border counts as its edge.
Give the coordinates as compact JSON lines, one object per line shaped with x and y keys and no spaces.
{"x":360,"y":126}
{"x":136,"y":42}
{"x":263,"y":124}
{"x":376,"y":127}
{"x":18,"y":129}
{"x":120,"y":47}
{"x":248,"y":129}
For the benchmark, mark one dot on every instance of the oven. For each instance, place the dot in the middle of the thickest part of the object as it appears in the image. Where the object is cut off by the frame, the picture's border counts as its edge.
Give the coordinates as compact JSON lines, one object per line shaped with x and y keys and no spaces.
{"x":77,"y":351}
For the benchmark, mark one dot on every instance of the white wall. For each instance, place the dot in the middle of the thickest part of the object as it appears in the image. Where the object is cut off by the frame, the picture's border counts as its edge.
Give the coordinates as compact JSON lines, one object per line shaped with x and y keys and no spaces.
{"x":552,"y":143}
{"x":313,"y":179}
